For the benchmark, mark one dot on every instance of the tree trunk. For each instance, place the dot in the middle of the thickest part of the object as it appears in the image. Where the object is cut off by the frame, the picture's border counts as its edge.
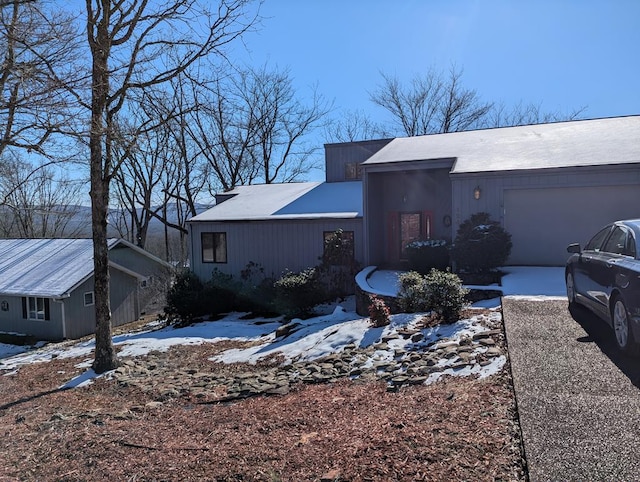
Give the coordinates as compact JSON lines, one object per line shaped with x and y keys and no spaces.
{"x":105,"y":356}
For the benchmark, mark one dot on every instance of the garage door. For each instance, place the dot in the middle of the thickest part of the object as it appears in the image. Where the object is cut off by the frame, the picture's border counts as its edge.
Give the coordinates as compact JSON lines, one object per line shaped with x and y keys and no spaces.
{"x":542,"y":222}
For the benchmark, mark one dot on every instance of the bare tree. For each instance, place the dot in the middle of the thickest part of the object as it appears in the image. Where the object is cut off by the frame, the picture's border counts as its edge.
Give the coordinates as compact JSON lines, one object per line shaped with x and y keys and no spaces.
{"x":281,"y":122}
{"x":526,"y":114}
{"x":136,"y":45}
{"x":250,"y":126}
{"x":38,"y":74}
{"x":354,"y":126}
{"x":38,"y":203}
{"x":433,"y":103}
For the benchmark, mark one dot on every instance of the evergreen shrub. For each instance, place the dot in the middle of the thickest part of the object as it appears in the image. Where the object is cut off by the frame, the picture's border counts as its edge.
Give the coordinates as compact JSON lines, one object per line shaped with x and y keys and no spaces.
{"x":481,"y":245}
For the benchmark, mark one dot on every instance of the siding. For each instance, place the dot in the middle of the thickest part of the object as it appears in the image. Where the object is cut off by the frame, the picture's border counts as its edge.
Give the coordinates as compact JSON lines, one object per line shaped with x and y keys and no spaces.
{"x":570,"y":187}
{"x":493,"y":186}
{"x":11,"y":321}
{"x":80,"y":319}
{"x":124,"y":298}
{"x":275,"y":245}
{"x":338,"y":155}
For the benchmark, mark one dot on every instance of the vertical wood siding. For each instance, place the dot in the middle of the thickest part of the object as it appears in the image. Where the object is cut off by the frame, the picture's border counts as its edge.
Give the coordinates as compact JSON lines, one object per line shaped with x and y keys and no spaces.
{"x":338,"y":155}
{"x":275,"y":245}
{"x":12,"y":321}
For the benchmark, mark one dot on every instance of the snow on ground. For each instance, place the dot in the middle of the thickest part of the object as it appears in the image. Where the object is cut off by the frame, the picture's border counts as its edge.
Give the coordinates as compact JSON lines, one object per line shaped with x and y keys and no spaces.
{"x":327,"y":333}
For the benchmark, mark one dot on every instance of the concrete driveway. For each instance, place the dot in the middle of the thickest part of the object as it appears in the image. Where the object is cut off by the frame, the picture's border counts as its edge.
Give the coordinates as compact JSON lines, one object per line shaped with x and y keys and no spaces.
{"x":578,"y":398}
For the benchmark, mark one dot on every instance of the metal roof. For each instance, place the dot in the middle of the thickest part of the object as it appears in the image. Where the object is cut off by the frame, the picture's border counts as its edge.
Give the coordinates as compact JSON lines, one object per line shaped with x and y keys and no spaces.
{"x":307,"y":200}
{"x":595,"y":142}
{"x":48,"y":268}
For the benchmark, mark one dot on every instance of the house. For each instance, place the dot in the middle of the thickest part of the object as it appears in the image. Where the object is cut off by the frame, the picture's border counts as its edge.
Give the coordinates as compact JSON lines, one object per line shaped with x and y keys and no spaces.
{"x":282,"y":227}
{"x":46,"y":285}
{"x":547,"y":184}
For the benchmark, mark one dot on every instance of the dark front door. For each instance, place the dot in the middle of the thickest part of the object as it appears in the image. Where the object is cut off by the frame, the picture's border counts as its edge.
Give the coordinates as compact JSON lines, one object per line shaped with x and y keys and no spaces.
{"x":402,"y":229}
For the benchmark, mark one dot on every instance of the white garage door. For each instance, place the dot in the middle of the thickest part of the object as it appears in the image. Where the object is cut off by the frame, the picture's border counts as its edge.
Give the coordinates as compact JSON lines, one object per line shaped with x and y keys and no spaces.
{"x":542,"y":222}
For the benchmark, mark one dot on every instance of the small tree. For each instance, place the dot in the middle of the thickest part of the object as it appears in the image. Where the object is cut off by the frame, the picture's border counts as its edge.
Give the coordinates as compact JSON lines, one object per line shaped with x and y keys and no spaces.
{"x":481,"y":245}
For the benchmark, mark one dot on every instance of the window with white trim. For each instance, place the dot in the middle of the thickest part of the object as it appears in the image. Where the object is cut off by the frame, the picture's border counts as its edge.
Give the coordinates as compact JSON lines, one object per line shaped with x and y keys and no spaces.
{"x":35,"y":308}
{"x":89,"y":299}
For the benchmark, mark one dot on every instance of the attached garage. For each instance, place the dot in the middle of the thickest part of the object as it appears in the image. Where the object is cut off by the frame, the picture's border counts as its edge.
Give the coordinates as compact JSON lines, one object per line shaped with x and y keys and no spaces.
{"x":543,"y":221}
{"x":547,"y":184}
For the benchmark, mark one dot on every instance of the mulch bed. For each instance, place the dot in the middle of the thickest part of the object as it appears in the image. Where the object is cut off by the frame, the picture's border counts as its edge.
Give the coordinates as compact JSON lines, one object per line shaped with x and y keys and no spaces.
{"x":457,"y":429}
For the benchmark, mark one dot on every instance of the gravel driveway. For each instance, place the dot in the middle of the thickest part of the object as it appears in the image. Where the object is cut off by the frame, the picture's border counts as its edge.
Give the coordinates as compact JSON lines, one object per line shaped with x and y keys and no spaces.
{"x":578,"y":398}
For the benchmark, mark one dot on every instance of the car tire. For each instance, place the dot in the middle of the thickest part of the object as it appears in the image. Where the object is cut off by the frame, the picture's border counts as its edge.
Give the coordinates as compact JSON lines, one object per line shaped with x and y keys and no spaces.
{"x":571,"y":288}
{"x":621,"y":327}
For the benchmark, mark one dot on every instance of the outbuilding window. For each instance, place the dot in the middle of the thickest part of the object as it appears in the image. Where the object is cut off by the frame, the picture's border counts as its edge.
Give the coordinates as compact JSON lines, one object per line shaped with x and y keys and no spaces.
{"x":34,"y":308}
{"x":214,"y":247}
{"x":89,"y":299}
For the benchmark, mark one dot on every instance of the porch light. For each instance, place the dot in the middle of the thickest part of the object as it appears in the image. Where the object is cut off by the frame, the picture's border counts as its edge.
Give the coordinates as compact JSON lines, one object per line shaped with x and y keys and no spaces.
{"x":477,"y":192}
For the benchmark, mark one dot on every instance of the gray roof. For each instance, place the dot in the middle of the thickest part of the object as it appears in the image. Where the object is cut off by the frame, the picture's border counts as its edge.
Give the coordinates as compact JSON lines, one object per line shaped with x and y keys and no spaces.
{"x":48,"y":268}
{"x":301,"y":200}
{"x":595,"y":142}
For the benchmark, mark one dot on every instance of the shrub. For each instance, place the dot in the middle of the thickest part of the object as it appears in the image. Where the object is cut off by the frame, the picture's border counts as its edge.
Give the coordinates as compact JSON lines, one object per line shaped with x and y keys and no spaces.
{"x":412,"y":295}
{"x":185,"y":300}
{"x":298,"y":293}
{"x":445,"y":294}
{"x":338,"y":266}
{"x":440,"y":292}
{"x":220,"y":293}
{"x":257,"y":292}
{"x":379,"y":313}
{"x":481,"y":244}
{"x":426,"y":255}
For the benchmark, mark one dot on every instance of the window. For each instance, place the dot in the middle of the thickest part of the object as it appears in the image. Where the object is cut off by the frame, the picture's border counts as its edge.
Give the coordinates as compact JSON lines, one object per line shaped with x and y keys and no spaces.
{"x":352,"y":170}
{"x":338,"y":247}
{"x":214,"y":247}
{"x":596,"y":242}
{"x":88,"y":298}
{"x":35,"y":308}
{"x":620,"y":242}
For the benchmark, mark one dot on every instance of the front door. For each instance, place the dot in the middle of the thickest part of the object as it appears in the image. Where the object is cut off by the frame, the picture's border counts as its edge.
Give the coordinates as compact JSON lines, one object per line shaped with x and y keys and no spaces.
{"x":403,"y":229}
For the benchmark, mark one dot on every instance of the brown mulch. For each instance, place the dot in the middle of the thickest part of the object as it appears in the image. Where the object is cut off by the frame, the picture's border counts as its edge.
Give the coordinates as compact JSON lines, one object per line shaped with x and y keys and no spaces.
{"x":457,"y":429}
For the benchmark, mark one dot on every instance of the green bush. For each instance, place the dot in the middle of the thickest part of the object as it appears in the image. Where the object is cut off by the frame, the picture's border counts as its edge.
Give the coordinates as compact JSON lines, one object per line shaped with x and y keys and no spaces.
{"x":298,"y":293}
{"x":188,"y":298}
{"x":379,"y":313}
{"x":440,"y":292}
{"x":221,"y":293}
{"x":257,"y":291}
{"x":481,"y":244}
{"x":426,"y":255}
{"x":338,"y":267}
{"x":412,"y":295}
{"x":445,"y":294}
{"x":185,"y":300}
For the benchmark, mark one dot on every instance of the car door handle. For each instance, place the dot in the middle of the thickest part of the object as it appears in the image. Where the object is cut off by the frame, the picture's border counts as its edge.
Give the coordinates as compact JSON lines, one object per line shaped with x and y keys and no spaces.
{"x":611,"y":262}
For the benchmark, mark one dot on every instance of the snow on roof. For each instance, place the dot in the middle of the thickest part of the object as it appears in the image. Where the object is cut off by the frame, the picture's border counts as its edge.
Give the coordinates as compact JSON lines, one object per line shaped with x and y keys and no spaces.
{"x":47,"y":268}
{"x":306,"y":200}
{"x":613,"y":140}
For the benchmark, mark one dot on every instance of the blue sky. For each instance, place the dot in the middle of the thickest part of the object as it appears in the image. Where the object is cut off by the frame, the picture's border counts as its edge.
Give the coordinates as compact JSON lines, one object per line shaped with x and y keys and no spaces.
{"x":562,"y":54}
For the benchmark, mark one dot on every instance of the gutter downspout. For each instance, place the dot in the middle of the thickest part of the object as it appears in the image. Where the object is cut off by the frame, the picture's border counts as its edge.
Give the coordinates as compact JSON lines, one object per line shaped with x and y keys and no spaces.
{"x":62,"y":313}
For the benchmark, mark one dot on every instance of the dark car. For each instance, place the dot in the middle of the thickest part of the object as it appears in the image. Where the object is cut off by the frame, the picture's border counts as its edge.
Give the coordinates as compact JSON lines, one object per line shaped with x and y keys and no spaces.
{"x":604,"y":276}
